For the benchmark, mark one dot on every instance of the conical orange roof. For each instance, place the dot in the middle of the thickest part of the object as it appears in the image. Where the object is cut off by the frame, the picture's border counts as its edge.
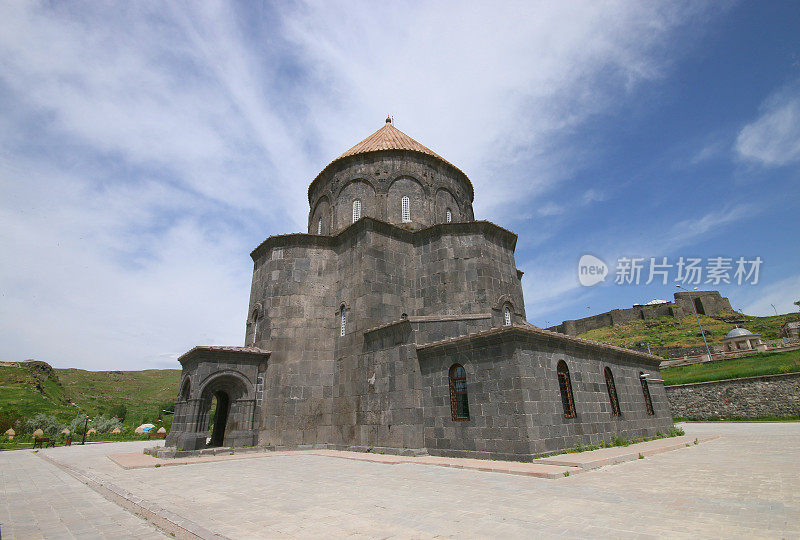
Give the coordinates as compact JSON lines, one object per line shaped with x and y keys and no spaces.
{"x":388,"y":138}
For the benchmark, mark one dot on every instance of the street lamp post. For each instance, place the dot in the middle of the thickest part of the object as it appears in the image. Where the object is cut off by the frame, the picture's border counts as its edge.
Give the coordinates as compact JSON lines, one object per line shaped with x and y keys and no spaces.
{"x":697,"y":317}
{"x":85,"y":425}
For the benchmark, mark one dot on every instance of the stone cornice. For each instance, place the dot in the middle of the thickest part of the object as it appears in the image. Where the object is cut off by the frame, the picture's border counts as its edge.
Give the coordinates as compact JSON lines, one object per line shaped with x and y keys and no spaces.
{"x":532,"y":334}
{"x":200,"y":351}
{"x":416,"y":237}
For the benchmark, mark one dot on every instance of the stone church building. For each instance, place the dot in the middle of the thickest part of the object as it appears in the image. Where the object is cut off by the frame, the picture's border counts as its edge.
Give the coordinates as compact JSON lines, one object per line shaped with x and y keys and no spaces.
{"x":397,"y":323}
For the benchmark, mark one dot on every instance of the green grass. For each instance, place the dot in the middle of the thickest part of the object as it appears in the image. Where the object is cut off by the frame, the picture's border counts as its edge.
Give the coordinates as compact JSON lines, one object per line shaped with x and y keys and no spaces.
{"x":673,"y":332}
{"x":790,"y":418}
{"x":769,"y":363}
{"x":616,"y":440}
{"x":140,"y":391}
{"x":93,"y":392}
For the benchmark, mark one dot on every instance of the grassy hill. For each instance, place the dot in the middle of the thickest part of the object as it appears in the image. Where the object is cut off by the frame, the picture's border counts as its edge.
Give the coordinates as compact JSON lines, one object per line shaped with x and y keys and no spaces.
{"x":34,"y":387}
{"x":768,"y":363}
{"x":673,"y":332}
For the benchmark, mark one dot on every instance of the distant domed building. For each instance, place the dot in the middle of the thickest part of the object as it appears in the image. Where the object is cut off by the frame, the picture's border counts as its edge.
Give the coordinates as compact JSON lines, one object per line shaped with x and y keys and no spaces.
{"x":398,"y":322}
{"x":741,"y":339}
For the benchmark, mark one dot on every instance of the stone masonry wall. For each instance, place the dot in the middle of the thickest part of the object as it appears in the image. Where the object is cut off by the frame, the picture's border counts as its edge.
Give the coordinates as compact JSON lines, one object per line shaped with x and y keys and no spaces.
{"x":514,"y":399}
{"x":748,"y":397}
{"x":319,"y":386}
{"x":380,"y":180}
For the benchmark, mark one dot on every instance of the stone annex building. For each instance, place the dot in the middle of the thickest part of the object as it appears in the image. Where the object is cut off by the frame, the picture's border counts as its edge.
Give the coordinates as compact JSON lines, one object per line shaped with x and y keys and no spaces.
{"x":397,"y":323}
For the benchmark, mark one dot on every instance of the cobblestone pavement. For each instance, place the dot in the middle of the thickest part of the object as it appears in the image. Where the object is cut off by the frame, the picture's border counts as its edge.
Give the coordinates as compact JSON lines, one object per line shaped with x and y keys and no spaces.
{"x":744,"y":484}
{"x":38,"y":500}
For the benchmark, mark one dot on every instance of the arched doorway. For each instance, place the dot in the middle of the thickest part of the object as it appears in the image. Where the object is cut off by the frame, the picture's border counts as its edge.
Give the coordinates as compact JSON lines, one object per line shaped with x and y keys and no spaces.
{"x":220,"y":413}
{"x":220,"y":407}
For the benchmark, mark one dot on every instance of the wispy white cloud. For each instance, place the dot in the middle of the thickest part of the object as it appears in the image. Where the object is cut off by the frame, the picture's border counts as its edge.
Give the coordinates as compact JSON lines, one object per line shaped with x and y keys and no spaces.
{"x":555,"y":286}
{"x":773,"y":139}
{"x":708,"y":225}
{"x":781,"y":294}
{"x":144,"y":149}
{"x":550,"y":209}
{"x":593,"y":195}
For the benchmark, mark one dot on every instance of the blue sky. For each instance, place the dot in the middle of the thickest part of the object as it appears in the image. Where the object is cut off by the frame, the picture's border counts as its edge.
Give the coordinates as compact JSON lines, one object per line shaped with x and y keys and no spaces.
{"x":145,"y":149}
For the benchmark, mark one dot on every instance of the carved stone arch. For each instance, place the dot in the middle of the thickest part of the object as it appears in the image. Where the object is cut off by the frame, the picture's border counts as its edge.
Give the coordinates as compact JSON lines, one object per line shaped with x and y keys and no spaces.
{"x":256,"y":313}
{"x":362,"y":179}
{"x":185,"y":389}
{"x":426,"y":188}
{"x":443,"y":201}
{"x":357,"y":188}
{"x":321,"y":211}
{"x":419,"y":205}
{"x":503,"y":301}
{"x":226,"y":375}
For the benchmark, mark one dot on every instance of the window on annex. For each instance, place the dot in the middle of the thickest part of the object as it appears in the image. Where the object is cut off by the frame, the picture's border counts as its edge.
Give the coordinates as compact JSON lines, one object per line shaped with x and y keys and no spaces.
{"x":405,"y":207}
{"x":565,"y":385}
{"x":343,"y":325}
{"x":319,"y":226}
{"x":459,"y":405}
{"x":612,"y":392}
{"x":356,"y":210}
{"x":507,"y":316}
{"x":648,"y":403}
{"x":448,"y":215}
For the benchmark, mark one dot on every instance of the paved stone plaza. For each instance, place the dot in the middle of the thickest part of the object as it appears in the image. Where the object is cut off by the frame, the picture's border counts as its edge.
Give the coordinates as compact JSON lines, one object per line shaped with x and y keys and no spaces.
{"x":743,"y":484}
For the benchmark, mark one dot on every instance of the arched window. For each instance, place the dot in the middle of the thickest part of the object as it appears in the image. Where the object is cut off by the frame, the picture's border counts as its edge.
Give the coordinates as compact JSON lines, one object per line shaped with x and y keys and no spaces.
{"x":612,"y":392}
{"x":186,"y":389}
{"x":507,"y":316}
{"x":356,"y":210}
{"x":565,"y":385}
{"x":405,"y":207}
{"x":448,"y":215}
{"x":319,"y":226}
{"x":459,"y":405}
{"x":255,"y":318}
{"x":648,"y":403}
{"x":343,"y":327}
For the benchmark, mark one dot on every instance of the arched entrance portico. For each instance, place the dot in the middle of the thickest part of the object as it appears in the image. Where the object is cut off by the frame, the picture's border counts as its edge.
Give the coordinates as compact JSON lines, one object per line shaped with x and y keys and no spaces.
{"x":233,"y":412}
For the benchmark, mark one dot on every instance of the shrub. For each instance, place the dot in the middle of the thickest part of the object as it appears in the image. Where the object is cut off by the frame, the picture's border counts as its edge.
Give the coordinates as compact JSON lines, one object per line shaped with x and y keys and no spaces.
{"x":119,"y":411}
{"x":76,"y":427}
{"x":10,"y":419}
{"x":616,"y":440}
{"x":104,"y":424}
{"x":48,"y":423}
{"x":675,"y":431}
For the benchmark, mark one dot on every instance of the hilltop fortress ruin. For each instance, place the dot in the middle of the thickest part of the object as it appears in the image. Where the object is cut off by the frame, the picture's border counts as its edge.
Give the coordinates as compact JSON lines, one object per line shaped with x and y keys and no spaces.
{"x":705,"y":302}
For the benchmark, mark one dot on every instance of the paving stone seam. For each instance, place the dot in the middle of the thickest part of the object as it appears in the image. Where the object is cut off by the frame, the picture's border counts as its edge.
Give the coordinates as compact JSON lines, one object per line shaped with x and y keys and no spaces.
{"x":167,"y":521}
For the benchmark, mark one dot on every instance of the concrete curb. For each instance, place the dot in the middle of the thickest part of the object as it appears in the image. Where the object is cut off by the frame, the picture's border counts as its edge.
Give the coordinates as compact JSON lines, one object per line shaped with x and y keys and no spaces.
{"x":167,"y":521}
{"x":611,"y":456}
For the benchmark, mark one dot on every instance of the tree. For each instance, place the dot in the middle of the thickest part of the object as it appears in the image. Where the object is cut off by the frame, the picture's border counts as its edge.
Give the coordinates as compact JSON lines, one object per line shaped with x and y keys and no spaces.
{"x":119,"y":411}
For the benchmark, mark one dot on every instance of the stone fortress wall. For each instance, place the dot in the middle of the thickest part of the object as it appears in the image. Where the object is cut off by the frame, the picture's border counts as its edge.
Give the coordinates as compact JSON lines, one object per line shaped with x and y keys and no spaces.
{"x":706,"y":302}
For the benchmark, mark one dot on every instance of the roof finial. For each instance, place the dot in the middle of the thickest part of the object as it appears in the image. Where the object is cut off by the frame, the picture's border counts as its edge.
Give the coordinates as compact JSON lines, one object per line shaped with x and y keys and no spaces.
{"x":388,"y":118}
